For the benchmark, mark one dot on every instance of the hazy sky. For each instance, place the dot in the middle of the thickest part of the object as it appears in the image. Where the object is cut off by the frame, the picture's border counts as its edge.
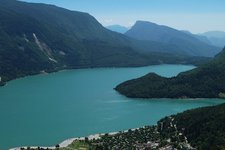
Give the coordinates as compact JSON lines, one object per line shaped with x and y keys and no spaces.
{"x":194,"y":15}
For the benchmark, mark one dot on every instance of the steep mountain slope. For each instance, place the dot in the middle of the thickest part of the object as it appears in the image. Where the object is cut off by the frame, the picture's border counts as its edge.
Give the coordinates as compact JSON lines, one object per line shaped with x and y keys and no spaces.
{"x":36,"y":37}
{"x":118,"y":28}
{"x":185,"y":43}
{"x":203,"y":127}
{"x":206,"y":81}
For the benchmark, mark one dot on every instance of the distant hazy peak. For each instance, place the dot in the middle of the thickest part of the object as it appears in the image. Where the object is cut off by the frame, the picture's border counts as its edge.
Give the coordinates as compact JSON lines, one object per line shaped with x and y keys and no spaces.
{"x":118,"y":28}
{"x":186,"y":31}
{"x":217,"y":34}
{"x":150,"y":25}
{"x":145,"y":23}
{"x":186,"y":43}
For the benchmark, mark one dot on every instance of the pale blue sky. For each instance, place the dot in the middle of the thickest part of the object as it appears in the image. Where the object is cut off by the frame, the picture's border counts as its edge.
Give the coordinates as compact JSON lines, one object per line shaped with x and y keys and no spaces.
{"x":194,"y":15}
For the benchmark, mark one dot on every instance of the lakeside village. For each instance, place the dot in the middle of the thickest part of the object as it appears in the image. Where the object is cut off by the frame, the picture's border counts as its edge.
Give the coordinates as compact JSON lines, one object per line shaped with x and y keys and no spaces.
{"x":164,"y":136}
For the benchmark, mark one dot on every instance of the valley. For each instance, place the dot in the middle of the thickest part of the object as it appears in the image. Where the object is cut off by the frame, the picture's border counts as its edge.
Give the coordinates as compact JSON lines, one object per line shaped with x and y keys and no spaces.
{"x":79,"y":75}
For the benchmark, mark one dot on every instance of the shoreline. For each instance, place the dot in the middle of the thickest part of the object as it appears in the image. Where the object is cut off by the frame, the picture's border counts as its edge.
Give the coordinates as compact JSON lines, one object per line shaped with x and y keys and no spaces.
{"x":61,"y":69}
{"x":69,"y":141}
{"x":65,"y":143}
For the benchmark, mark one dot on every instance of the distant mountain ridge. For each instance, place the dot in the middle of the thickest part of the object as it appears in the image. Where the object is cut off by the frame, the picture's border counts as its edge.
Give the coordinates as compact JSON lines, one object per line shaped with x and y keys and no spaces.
{"x":216,"y":34}
{"x":198,"y":36}
{"x":187,"y":44}
{"x":118,"y":28}
{"x":216,"y":38}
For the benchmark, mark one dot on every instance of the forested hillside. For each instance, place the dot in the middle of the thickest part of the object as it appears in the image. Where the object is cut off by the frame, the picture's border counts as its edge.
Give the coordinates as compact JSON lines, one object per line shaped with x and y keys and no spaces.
{"x":206,"y":81}
{"x":203,"y":127}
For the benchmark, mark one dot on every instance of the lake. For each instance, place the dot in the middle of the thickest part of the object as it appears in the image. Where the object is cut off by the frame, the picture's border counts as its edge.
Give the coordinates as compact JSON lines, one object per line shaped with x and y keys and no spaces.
{"x":47,"y":109}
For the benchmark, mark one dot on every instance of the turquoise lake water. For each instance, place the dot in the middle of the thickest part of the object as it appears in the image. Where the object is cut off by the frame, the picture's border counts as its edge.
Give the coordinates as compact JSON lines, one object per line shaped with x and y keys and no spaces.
{"x":47,"y":109}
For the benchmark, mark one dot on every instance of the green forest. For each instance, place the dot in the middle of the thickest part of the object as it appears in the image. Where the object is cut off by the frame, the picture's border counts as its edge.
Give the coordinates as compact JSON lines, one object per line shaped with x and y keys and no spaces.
{"x":203,"y":127}
{"x":206,"y":81}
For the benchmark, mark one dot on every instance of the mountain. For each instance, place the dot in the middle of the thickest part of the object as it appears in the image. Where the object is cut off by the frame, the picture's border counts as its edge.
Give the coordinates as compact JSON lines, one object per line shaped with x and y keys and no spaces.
{"x":217,"y":34}
{"x":185,"y":43}
{"x":118,"y":28}
{"x":38,"y":38}
{"x":220,"y":42}
{"x":199,"y":37}
{"x":217,"y":38}
{"x":214,"y":38}
{"x":203,"y":127}
{"x":206,"y":81}
{"x":204,"y":39}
